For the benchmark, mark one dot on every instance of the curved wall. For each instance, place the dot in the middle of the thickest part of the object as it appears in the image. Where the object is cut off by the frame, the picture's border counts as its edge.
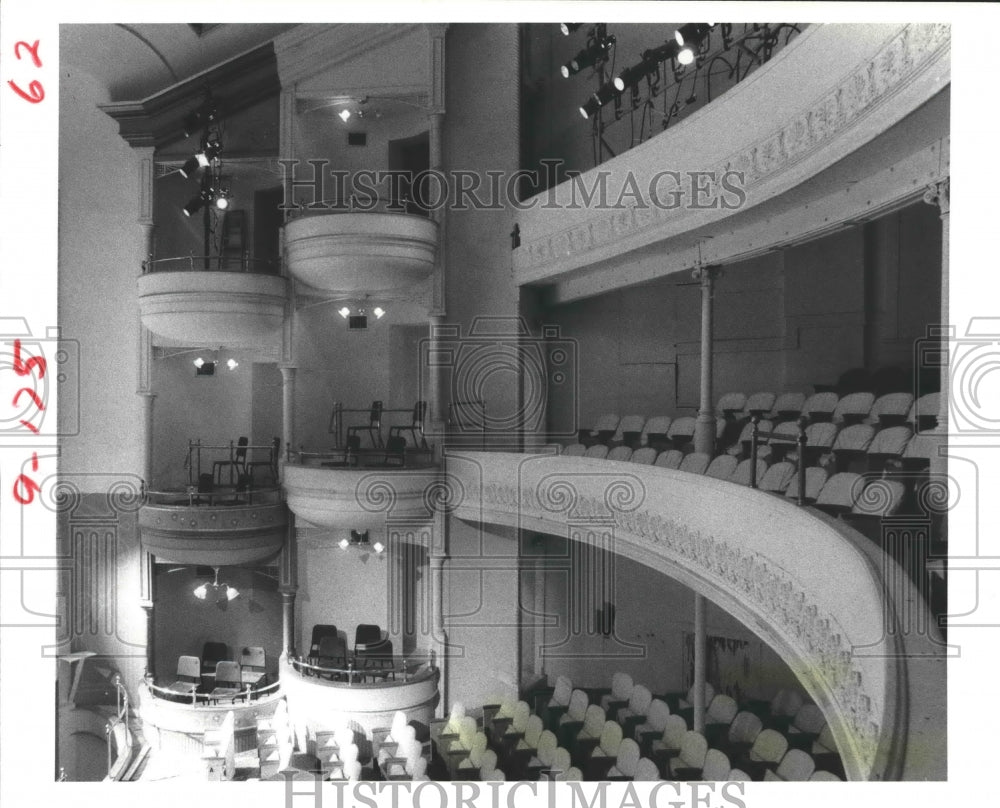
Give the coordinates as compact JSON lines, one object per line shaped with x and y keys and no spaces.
{"x":778,"y":568}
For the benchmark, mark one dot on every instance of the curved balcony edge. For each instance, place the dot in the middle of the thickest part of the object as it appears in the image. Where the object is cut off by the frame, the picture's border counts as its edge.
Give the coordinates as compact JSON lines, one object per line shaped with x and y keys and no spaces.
{"x":777,"y":567}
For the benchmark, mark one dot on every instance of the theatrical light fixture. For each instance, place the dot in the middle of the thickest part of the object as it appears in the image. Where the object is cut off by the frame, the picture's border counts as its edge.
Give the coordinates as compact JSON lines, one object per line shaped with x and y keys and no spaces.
{"x":692,"y":33}
{"x":590,"y":107}
{"x":596,"y":51}
{"x":378,"y":547}
{"x":223,"y":592}
{"x":568,"y":28}
{"x":199,"y":362}
{"x":190,"y":167}
{"x":345,"y":115}
{"x":605,"y":94}
{"x":198,"y":118}
{"x":633,"y":75}
{"x":379,"y":312}
{"x":344,"y":312}
{"x":195,"y":204}
{"x":232,"y":364}
{"x":221,"y":198}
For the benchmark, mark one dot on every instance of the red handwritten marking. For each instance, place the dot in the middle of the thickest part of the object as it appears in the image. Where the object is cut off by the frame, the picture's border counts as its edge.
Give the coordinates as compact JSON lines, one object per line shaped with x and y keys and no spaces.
{"x":32,"y":49}
{"x":29,"y":488}
{"x":32,"y":394}
{"x":22,"y":367}
{"x":34,"y":461}
{"x":30,"y":426}
{"x":35,"y":92}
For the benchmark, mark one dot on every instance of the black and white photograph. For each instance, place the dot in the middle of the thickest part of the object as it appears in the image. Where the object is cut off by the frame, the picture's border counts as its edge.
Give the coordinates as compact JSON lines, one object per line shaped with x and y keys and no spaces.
{"x":433,"y":404}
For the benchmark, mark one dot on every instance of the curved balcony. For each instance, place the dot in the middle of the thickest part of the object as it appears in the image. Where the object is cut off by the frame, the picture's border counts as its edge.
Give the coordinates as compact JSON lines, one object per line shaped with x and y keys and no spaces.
{"x":317,"y":702}
{"x":358,"y":252}
{"x":360,"y":491}
{"x":776,"y":567}
{"x":222,"y":528}
{"x":231,"y":303}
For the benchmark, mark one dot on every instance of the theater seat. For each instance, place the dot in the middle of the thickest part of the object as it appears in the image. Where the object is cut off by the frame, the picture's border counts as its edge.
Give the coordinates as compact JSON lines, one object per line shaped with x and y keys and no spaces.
{"x":741,"y":476}
{"x":788,"y":407}
{"x":574,"y":450}
{"x":654,"y":432}
{"x":776,"y":478}
{"x":795,"y":766}
{"x":597,"y":452}
{"x":620,"y":453}
{"x":644,"y":457}
{"x":816,"y":478}
{"x":890,"y":409}
{"x":820,"y":406}
{"x":688,"y":765}
{"x":888,"y":444}
{"x":630,"y":431}
{"x":670,"y":459}
{"x":853,"y":408}
{"x":721,"y":467}
{"x":716,"y":766}
{"x":695,"y":463}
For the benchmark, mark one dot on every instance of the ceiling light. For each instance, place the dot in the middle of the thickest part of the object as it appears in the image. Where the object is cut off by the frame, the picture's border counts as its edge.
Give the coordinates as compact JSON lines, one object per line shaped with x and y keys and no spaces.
{"x":232,"y":364}
{"x":378,"y":547}
{"x":343,"y":544}
{"x":199,"y":362}
{"x":222,"y":591}
{"x":379,"y":312}
{"x":344,"y":312}
{"x":201,"y":592}
{"x":232,"y":593}
{"x":345,"y":115}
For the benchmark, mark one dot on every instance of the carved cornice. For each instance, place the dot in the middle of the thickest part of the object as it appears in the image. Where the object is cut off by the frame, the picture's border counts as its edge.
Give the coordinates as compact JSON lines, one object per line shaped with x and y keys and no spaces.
{"x":239,"y":83}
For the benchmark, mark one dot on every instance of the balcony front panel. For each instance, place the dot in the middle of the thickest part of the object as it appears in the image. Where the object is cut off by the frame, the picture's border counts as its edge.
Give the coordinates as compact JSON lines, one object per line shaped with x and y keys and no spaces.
{"x":360,"y":253}
{"x":361,"y":499}
{"x":213,"y":535}
{"x":228,"y":309}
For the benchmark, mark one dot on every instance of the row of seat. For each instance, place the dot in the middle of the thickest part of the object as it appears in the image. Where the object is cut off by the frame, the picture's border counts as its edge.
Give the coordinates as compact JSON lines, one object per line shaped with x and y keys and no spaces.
{"x":892,"y":409}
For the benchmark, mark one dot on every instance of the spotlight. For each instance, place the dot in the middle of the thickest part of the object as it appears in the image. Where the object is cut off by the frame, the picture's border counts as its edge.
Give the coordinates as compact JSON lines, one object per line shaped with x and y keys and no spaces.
{"x":232,"y":364}
{"x":590,"y":107}
{"x":344,"y":312}
{"x":692,"y":33}
{"x":589,"y":56}
{"x":201,"y":592}
{"x":232,"y":593}
{"x":633,"y":75}
{"x":379,"y":312}
{"x":194,"y":205}
{"x":378,"y":547}
{"x":221,"y":198}
{"x":199,"y":362}
{"x":191,"y":122}
{"x":343,"y":544}
{"x":345,"y":115}
{"x":190,"y":167}
{"x":685,"y":56}
{"x":568,"y":28}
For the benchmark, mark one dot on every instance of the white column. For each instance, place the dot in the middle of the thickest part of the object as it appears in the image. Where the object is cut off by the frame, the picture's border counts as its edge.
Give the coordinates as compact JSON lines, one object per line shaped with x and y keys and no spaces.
{"x":287,"y":408}
{"x":288,"y":586}
{"x":144,"y":386}
{"x":704,"y":431}
{"x":939,"y":194}
{"x":700,"y":643}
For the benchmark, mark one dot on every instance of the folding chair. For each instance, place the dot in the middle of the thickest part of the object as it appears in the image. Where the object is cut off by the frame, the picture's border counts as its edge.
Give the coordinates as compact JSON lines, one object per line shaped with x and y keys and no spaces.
{"x":415,"y":426}
{"x":373,"y":427}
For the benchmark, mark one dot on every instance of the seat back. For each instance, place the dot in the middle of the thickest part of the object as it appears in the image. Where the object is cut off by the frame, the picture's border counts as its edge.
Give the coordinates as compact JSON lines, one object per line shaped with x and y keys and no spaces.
{"x":574,"y":450}
{"x":227,"y":674}
{"x":721,"y":467}
{"x":891,"y":408}
{"x":825,"y":741}
{"x":854,"y":438}
{"x":641,"y":699}
{"x":682,"y":427}
{"x":213,"y":652}
{"x":241,"y":449}
{"x":759,"y":403}
{"x":395,"y":450}
{"x":620,"y":453}
{"x":788,"y":405}
{"x":824,"y":776}
{"x":628,"y":757}
{"x":923,"y":414}
{"x":611,"y":738}
{"x":630,"y":429}
{"x":745,"y":727}
{"x":578,"y":704}
{"x":841,"y":490}
{"x":621,"y":686}
{"x":252,"y":656}
{"x":646,"y":771}
{"x":796,"y":766}
{"x":674,"y":731}
{"x":731,"y":403}
{"x":321,"y":630}
{"x":721,"y":710}
{"x":561,"y":760}
{"x":562,"y":692}
{"x":375,"y":414}
{"x":769,"y":747}
{"x":367,"y":634}
{"x":815,"y":481}
{"x":709,"y":693}
{"x":519,"y":721}
{"x":890,"y":441}
{"x":593,"y":720}
{"x":776,"y":477}
{"x":694,"y":747}
{"x":644,"y":457}
{"x":657,"y":714}
{"x":598,"y":451}
{"x":655,"y":429}
{"x":820,"y":406}
{"x":741,"y":476}
{"x":332,"y":651}
{"x":607,"y":423}
{"x":695,"y":463}
{"x":547,"y":745}
{"x":669,"y":459}
{"x":854,"y":405}
{"x":880,"y":498}
{"x":533,"y":731}
{"x":821,"y":436}
{"x":716,"y":766}
{"x":189,"y":668}
{"x":809,"y":718}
